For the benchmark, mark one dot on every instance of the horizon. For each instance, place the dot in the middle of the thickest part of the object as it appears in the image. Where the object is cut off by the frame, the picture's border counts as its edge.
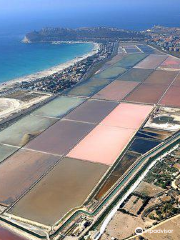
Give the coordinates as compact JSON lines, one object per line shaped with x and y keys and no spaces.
{"x":23,"y":16}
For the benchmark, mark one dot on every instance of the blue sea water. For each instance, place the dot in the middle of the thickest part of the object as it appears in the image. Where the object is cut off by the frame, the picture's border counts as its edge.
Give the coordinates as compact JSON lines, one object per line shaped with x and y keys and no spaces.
{"x":18,"y":59}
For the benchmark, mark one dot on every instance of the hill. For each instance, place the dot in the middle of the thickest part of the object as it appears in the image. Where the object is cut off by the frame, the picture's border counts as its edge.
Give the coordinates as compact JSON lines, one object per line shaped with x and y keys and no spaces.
{"x":82,"y":34}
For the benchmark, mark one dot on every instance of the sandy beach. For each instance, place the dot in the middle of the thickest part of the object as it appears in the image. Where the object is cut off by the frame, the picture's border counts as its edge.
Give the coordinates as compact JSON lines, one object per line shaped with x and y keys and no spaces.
{"x":50,"y":71}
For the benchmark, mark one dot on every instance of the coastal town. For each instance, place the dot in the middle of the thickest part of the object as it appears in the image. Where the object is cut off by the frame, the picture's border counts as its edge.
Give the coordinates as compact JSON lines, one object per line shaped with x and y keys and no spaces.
{"x":70,"y":76}
{"x":59,"y":78}
{"x":29,"y":92}
{"x":166,"y":38}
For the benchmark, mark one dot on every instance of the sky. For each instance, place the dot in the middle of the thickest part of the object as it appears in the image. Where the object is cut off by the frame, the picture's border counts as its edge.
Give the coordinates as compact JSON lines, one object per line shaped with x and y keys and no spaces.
{"x":131,"y":14}
{"x":28,"y":5}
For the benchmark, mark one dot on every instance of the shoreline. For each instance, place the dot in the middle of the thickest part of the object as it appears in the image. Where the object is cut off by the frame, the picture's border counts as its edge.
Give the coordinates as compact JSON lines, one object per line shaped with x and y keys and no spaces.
{"x":52,"y":70}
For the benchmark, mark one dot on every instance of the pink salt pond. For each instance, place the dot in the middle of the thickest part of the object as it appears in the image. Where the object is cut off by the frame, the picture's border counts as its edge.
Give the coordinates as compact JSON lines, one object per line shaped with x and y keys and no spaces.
{"x":5,"y":234}
{"x":103,"y":145}
{"x":151,"y":62}
{"x":172,"y":97}
{"x":171,"y":63}
{"x":127,"y":115}
{"x":107,"y":141}
{"x":117,"y":90}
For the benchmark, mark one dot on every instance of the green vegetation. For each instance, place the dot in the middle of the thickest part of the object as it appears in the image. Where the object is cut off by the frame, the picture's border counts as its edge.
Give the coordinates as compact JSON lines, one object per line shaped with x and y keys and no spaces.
{"x":165,"y":211}
{"x":163,"y":173}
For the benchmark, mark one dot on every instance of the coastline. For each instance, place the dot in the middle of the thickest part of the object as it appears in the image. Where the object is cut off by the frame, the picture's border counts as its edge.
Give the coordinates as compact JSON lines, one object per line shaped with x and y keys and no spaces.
{"x":52,"y":70}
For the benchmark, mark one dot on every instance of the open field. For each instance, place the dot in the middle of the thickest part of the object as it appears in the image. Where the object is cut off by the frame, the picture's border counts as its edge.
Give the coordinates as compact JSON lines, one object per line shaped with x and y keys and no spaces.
{"x":147,"y":189}
{"x":116,"y":90}
{"x":136,"y":75}
{"x":151,"y":62}
{"x":171,"y":224}
{"x":58,"y":107}
{"x":20,"y":171}
{"x":69,"y":183}
{"x":131,"y":207}
{"x":126,"y":223}
{"x":22,"y":131}
{"x":6,"y":151}
{"x":10,"y":105}
{"x":24,"y":96}
{"x":61,"y":137}
{"x":92,"y":111}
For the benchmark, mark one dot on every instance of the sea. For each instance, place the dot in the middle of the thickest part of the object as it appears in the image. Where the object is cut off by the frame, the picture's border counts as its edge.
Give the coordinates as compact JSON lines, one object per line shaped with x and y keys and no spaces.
{"x":18,"y":59}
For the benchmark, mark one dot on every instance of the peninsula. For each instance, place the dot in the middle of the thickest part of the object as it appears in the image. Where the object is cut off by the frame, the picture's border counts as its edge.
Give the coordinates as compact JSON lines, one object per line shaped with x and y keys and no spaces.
{"x":98,"y":34}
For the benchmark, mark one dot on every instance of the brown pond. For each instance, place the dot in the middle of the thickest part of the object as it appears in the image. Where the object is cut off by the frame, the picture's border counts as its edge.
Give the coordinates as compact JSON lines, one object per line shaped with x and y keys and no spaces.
{"x":127,"y":160}
{"x":64,"y":188}
{"x":172,"y":97}
{"x":151,"y":62}
{"x":92,"y":111}
{"x":61,"y":137}
{"x":20,"y":171}
{"x":117,"y":90}
{"x":161,"y":77}
{"x":147,"y":93}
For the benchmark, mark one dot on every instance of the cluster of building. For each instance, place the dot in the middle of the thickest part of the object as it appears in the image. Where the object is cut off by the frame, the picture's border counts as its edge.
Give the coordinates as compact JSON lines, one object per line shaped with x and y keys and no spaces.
{"x":67,"y":78}
{"x":166,"y":38}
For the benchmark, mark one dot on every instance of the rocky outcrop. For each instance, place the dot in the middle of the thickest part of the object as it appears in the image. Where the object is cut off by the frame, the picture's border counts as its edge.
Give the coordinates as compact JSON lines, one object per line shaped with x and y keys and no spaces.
{"x":26,"y":40}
